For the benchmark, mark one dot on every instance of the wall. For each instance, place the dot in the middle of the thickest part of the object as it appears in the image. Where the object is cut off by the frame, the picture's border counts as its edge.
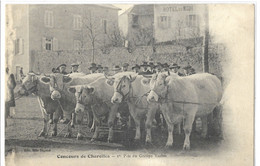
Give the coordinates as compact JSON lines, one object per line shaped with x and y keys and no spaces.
{"x":178,"y":17}
{"x":20,"y":27}
{"x":45,"y":61}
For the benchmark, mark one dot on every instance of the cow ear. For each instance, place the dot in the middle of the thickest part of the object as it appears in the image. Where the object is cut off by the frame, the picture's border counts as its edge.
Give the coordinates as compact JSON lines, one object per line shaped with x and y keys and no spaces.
{"x":45,"y":80}
{"x":91,"y":90}
{"x":110,"y":82}
{"x":167,"y":80}
{"x":145,"y":81}
{"x":67,"y":79}
{"x":132,"y":78}
{"x":72,"y":90}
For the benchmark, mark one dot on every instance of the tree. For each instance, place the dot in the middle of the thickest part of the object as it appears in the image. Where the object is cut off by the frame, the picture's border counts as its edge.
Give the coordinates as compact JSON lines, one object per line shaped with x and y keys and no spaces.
{"x":116,"y":37}
{"x":90,"y":30}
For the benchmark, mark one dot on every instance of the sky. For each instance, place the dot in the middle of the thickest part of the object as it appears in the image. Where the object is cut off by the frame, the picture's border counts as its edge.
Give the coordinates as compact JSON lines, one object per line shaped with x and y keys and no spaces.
{"x":124,"y":7}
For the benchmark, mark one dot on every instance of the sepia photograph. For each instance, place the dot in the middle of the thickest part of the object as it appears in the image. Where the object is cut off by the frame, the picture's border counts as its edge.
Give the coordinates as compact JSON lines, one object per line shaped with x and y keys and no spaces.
{"x":124,"y":84}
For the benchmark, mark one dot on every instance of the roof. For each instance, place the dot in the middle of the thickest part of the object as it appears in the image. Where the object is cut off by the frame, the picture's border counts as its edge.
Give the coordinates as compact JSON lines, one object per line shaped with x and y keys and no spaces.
{"x":109,"y":6}
{"x":144,"y":9}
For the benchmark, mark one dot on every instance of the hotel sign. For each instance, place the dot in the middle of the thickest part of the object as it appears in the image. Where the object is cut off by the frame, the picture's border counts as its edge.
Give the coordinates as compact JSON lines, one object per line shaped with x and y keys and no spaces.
{"x":177,"y":8}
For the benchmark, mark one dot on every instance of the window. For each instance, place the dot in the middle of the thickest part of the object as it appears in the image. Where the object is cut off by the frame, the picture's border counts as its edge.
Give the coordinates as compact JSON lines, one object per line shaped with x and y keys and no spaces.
{"x":105,"y":26}
{"x":77,"y":44}
{"x":135,"y":20}
{"x":49,"y":43}
{"x":191,"y":21}
{"x":19,"y":46}
{"x":164,"y":22}
{"x":77,"y":22}
{"x":48,"y":19}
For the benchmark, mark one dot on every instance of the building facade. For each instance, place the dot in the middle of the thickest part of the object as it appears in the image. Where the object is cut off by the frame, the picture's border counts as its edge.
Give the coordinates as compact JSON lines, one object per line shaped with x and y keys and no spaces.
{"x":136,"y":24}
{"x":162,"y":22}
{"x":178,"y":21}
{"x":58,"y":28}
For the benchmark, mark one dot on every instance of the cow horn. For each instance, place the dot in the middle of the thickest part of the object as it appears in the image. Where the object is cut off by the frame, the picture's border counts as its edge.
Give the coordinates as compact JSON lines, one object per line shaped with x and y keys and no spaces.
{"x":108,"y":77}
{"x":169,"y":73}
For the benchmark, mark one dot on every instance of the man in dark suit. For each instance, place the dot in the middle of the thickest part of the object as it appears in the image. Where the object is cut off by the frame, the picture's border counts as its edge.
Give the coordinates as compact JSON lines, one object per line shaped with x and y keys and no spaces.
{"x":74,"y":68}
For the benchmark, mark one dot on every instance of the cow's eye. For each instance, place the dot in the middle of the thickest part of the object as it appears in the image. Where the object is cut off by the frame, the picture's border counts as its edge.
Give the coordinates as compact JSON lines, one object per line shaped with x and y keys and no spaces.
{"x":123,"y":86}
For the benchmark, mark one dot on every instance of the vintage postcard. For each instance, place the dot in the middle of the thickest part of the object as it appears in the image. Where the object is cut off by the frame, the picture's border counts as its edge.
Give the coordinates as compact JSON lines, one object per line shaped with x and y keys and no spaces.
{"x":123,"y":84}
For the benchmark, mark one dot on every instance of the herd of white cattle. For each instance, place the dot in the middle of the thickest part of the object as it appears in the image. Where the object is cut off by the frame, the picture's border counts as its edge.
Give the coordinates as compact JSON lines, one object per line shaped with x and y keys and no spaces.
{"x":180,"y":99}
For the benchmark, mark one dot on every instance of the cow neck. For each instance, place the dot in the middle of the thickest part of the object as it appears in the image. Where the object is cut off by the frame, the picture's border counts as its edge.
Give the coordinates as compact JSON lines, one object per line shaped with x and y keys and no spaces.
{"x":43,"y":90}
{"x":165,"y":98}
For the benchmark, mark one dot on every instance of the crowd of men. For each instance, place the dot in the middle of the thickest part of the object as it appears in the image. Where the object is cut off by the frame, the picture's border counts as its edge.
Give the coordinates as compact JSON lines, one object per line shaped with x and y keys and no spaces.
{"x":143,"y":69}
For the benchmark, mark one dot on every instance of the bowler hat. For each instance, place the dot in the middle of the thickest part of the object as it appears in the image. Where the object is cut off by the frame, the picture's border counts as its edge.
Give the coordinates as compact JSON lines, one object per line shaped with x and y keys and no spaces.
{"x":174,"y":66}
{"x":74,"y":64}
{"x":144,"y":64}
{"x":136,"y":66}
{"x":187,"y":67}
{"x":125,"y":65}
{"x":116,"y":68}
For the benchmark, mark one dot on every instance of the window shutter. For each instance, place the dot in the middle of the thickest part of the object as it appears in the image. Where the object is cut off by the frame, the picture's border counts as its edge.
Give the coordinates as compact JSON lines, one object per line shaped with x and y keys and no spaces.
{"x":52,"y":19}
{"x":44,"y":43}
{"x":55,"y":44}
{"x":20,"y":51}
{"x":169,"y":21}
{"x":158,"y":20}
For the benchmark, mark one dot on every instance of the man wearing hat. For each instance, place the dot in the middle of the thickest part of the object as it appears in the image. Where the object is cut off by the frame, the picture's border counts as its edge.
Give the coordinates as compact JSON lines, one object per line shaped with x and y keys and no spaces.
{"x":174,"y":68}
{"x":165,"y":67}
{"x":125,"y":67}
{"x":106,"y":70}
{"x":158,"y":67}
{"x":187,"y":70}
{"x":145,"y":69}
{"x":99,"y":69}
{"x":116,"y":69}
{"x":62,"y":69}
{"x":74,"y":68}
{"x":93,"y":68}
{"x":136,"y":68}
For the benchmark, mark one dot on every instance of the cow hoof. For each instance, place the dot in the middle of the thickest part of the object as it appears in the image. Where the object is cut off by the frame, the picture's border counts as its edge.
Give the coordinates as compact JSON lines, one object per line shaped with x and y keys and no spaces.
{"x":186,"y":147}
{"x":109,"y":140}
{"x":92,"y":129}
{"x":54,"y":133}
{"x":50,"y":121}
{"x":67,"y":135}
{"x":42,"y":134}
{"x":149,"y":145}
{"x":93,"y":140}
{"x":167,"y":146}
{"x":79,"y":137}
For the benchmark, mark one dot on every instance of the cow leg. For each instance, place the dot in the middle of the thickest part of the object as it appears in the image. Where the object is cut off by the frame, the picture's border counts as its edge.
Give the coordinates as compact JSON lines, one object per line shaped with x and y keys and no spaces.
{"x":92,"y":129}
{"x":178,"y":127}
{"x":148,"y":125}
{"x":111,"y":119}
{"x":96,"y":133}
{"x":204,"y":121}
{"x":56,"y":116}
{"x":73,"y":120}
{"x":187,"y":129}
{"x":79,"y":120}
{"x":69,"y":130}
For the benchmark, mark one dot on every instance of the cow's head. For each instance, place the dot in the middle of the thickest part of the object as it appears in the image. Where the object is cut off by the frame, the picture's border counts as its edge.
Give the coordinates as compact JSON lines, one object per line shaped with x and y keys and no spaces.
{"x":84,"y":97}
{"x":57,"y":83}
{"x":122,"y":87}
{"x":158,"y":86}
{"x":29,"y":84}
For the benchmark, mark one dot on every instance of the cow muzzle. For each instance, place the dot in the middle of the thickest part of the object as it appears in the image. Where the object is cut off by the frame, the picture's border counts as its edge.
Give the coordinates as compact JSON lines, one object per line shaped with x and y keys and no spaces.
{"x":117,"y":98}
{"x":79,"y":108}
{"x":152,"y":97}
{"x":55,"y":95}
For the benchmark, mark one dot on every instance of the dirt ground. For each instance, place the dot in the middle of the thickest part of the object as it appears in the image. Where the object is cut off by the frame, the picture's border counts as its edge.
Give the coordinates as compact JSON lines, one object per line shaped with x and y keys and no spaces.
{"x":23,"y":129}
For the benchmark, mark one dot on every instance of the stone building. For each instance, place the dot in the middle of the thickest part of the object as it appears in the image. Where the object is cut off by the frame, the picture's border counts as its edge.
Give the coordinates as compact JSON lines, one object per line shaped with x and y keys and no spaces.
{"x":150,"y":24}
{"x":57,"y":28}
